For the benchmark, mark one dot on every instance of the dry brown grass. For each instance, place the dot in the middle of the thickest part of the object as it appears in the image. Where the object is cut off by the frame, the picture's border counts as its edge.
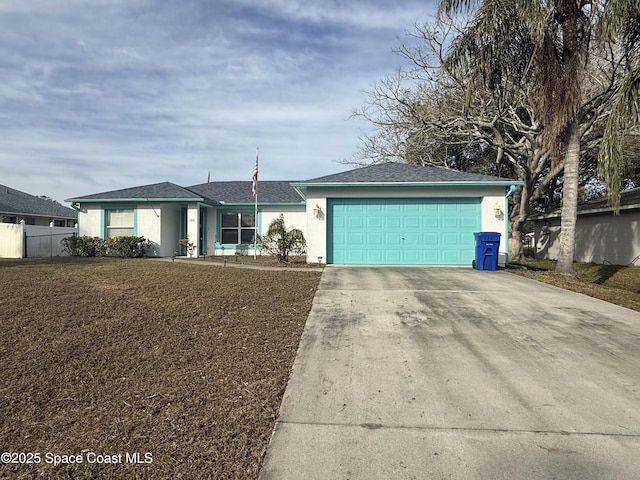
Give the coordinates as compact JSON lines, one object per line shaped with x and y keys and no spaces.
{"x":612,"y":283}
{"x":117,"y":356}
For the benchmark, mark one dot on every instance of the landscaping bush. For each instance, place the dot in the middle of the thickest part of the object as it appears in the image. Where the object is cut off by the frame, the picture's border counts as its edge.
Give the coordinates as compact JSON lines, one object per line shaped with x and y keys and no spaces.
{"x":130,"y":247}
{"x":282,"y":241}
{"x":84,"y":246}
{"x":125,"y":246}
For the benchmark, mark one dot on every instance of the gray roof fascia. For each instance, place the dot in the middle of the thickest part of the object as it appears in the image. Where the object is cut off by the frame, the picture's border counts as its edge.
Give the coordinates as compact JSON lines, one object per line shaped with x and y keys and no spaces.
{"x":138,"y":200}
{"x":262,"y":204}
{"x":43,"y":215}
{"x":590,"y":211}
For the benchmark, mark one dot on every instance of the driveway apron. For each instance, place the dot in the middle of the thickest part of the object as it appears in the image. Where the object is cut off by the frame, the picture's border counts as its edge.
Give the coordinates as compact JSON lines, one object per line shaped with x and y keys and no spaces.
{"x":430,"y":373}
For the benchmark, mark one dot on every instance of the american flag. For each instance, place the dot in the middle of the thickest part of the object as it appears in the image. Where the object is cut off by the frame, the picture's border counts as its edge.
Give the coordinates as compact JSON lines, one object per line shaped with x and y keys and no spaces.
{"x":254,"y":185}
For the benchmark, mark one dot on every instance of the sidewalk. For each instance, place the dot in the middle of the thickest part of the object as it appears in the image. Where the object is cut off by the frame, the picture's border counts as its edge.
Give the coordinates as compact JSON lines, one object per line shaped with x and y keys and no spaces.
{"x":231,"y":263}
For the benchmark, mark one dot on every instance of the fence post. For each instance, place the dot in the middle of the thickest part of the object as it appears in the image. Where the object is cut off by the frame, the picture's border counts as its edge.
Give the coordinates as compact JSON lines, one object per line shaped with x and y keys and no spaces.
{"x":24,"y":238}
{"x":51,"y":239}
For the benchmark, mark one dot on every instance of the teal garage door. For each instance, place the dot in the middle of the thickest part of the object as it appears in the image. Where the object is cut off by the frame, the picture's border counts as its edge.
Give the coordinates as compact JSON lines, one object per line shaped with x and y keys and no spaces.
{"x":402,"y":231}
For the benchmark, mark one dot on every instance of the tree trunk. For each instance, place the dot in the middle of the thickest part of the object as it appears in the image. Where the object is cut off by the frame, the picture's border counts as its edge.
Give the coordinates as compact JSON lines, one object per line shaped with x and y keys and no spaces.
{"x":517,"y":218}
{"x":516,"y":253}
{"x":569,"y":202}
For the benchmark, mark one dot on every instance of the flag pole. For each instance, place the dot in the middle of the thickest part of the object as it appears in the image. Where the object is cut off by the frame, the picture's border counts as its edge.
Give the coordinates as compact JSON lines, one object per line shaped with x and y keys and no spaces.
{"x":255,"y":211}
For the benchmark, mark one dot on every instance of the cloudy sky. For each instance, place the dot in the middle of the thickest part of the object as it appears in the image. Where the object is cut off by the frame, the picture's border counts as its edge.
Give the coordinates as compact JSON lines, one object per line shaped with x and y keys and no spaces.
{"x":98,"y":95}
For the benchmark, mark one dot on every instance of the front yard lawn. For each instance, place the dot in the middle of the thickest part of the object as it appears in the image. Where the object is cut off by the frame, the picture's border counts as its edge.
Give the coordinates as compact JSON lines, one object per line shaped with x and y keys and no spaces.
{"x":617,"y":284}
{"x":110,"y":358}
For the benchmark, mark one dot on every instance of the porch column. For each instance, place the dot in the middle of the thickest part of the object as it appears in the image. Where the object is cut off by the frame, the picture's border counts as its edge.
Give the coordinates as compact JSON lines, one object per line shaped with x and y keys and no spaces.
{"x":193,"y":226}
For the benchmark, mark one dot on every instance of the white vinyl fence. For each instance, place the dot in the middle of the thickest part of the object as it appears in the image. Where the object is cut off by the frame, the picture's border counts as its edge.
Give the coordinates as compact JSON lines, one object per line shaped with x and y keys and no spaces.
{"x":29,"y":241}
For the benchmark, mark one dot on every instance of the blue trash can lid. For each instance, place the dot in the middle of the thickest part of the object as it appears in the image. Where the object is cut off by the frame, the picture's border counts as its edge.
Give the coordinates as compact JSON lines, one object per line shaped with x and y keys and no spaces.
{"x":487,"y":236}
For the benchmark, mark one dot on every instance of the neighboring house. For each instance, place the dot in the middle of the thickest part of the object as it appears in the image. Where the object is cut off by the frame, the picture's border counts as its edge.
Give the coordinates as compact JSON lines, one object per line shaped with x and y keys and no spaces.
{"x":32,"y":226}
{"x":389,"y":213}
{"x":16,"y":206}
{"x":601,"y":236}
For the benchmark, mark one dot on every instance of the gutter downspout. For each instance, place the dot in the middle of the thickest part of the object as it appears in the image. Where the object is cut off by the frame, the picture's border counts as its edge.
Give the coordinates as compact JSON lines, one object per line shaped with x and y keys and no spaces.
{"x":512,"y":189}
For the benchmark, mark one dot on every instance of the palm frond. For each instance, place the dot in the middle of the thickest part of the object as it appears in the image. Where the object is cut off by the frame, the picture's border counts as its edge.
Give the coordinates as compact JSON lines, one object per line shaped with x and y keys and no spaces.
{"x":625,"y":114}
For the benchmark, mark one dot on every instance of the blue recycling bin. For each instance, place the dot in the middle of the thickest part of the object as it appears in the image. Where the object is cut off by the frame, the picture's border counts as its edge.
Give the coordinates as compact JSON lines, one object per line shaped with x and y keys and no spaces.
{"x":487,"y":244}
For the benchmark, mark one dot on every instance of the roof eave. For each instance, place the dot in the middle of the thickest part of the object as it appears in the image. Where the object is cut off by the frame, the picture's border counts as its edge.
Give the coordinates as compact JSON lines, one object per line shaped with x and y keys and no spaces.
{"x":134,"y":200}
{"x":592,"y":211}
{"x":260,"y":204}
{"x":31,"y":214}
{"x":304,"y":185}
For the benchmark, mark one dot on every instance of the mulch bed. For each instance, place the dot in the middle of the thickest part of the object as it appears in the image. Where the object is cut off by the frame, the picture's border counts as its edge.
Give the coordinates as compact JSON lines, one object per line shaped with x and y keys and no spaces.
{"x":141,"y":361}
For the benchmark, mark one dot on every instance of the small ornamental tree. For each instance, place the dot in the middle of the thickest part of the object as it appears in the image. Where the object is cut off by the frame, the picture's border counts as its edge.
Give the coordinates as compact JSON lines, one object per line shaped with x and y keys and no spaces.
{"x":282,"y":241}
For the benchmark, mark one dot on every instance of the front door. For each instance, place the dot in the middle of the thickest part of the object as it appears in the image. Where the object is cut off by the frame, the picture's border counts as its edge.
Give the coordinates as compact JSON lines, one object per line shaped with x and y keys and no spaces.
{"x":202,"y":234}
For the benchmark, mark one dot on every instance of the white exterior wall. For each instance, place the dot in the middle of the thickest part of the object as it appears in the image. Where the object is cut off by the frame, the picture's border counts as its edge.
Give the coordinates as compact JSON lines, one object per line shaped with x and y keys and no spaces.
{"x":600,"y":238}
{"x":90,"y":221}
{"x":169,"y":230}
{"x":160,"y":224}
{"x":294,"y":217}
{"x":316,"y":230}
{"x":608,"y":238}
{"x":156,"y":222}
{"x":149,"y":221}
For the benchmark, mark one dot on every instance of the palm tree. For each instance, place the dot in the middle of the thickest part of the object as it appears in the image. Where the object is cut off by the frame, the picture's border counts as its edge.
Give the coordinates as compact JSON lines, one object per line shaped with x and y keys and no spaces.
{"x":555,"y":37}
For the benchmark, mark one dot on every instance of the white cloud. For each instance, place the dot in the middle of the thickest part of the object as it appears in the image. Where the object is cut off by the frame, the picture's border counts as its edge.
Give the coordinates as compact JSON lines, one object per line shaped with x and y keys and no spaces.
{"x":112,"y":93}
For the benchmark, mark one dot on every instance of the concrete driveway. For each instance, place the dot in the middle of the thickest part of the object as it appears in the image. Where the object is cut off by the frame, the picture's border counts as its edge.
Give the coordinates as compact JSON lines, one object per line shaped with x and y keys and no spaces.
{"x":453,"y":373}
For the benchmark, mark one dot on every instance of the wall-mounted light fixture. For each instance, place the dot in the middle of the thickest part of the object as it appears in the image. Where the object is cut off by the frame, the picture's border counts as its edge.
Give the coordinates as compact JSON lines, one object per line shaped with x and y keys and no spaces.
{"x":497,"y":209}
{"x":317,"y":211}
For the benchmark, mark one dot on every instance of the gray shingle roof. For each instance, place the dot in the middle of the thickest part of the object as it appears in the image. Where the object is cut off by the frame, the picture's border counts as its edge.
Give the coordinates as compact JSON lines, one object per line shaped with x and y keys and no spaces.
{"x":15,"y":201}
{"x":240,"y":192}
{"x":393,"y":172}
{"x":628,"y":198}
{"x":164,"y":190}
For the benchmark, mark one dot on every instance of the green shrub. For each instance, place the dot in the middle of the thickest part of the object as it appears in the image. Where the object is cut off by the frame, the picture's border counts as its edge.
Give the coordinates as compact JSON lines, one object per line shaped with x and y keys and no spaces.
{"x":128,"y":246}
{"x":125,"y":246}
{"x":84,"y":246}
{"x":282,"y":241}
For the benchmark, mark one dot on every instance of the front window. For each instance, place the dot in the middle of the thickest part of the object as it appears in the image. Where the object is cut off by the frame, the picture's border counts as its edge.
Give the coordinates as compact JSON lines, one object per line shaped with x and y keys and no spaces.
{"x":237,"y":228}
{"x":119,"y":222}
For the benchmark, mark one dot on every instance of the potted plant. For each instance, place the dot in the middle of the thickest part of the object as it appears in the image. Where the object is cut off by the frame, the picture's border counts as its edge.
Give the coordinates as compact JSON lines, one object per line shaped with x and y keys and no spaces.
{"x":186,"y":244}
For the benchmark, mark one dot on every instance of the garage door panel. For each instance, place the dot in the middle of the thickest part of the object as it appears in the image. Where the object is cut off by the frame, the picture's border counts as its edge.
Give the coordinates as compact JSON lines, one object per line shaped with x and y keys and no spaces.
{"x":448,"y":238}
{"x":411,"y":240}
{"x":402,"y":231}
{"x":374,"y":222}
{"x":374,"y":239}
{"x":468,"y":221}
{"x":449,"y":221}
{"x":430,"y":222}
{"x":430,"y":239}
{"x":411,"y":222}
{"x":393,"y":222}
{"x":355,"y":222}
{"x":393,"y":256}
{"x":392,"y":239}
